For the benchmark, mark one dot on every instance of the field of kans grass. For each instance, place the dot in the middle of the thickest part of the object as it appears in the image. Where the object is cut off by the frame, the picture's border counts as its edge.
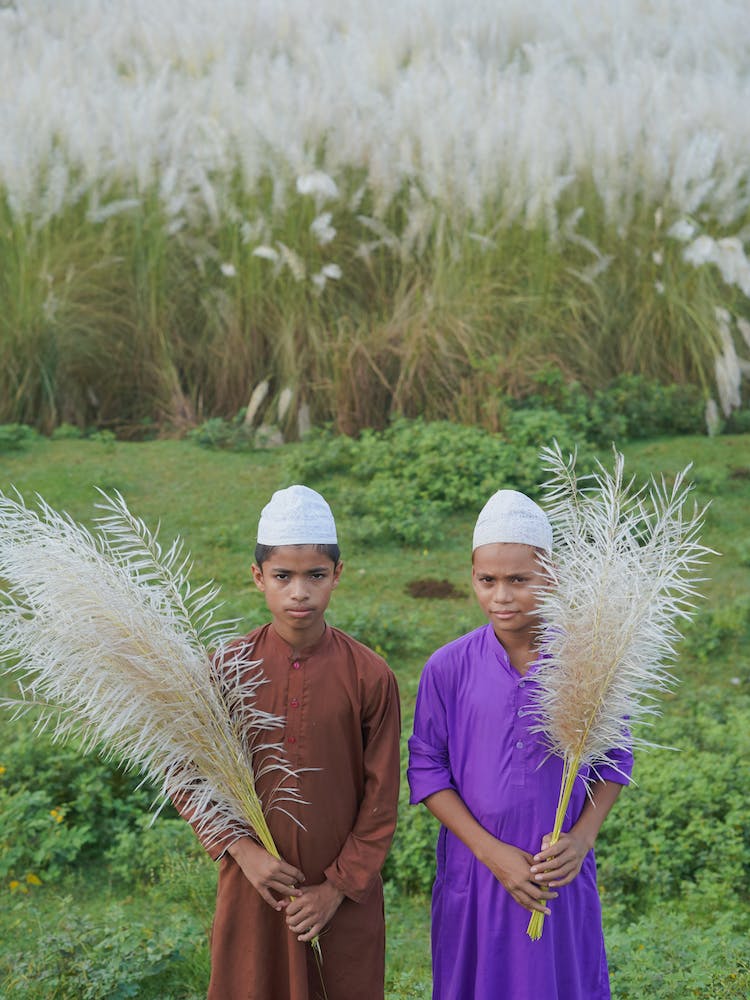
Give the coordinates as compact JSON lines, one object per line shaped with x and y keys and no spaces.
{"x":369,"y":184}
{"x":475,"y":103}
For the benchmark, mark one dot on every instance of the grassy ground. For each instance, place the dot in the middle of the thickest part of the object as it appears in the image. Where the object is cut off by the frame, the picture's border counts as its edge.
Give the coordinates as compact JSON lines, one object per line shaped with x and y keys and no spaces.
{"x":212,"y":499}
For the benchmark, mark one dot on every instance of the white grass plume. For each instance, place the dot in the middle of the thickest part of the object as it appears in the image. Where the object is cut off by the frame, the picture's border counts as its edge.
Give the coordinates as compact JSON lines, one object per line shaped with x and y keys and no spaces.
{"x":624,"y":567}
{"x":110,"y":643}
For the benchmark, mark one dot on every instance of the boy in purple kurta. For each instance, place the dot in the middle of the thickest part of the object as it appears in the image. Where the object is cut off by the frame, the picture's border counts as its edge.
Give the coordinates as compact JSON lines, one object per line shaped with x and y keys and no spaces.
{"x":494,"y":787}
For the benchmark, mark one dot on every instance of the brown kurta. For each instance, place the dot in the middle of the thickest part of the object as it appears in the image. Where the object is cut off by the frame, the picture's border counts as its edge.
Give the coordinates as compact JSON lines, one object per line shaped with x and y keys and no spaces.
{"x":341,"y":706}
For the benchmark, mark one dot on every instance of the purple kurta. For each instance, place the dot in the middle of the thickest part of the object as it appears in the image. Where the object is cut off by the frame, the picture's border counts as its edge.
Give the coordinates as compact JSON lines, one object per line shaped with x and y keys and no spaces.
{"x":471,"y":734}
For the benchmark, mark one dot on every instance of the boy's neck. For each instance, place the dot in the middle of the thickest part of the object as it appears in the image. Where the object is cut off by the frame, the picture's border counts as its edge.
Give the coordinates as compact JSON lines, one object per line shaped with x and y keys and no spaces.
{"x":300,"y":641}
{"x":521,"y":654}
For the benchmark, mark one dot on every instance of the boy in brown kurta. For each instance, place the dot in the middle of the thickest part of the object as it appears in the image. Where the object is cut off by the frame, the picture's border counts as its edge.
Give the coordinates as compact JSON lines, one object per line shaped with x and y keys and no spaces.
{"x":340,"y":702}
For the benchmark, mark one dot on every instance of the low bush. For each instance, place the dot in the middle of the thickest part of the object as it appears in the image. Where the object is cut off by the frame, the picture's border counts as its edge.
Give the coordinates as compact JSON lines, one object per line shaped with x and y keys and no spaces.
{"x":16,"y":437}
{"x":36,"y":844}
{"x":629,"y":408}
{"x":404,"y":481}
{"x":113,"y":957}
{"x":685,"y":823}
{"x":78,"y":804}
{"x":141,"y":849}
{"x":671,"y":955}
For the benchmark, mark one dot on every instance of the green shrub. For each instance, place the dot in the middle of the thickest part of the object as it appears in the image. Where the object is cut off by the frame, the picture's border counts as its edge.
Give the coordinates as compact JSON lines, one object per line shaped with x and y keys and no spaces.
{"x":16,"y":437}
{"x":404,"y":481}
{"x":66,"y":432}
{"x":384,"y":628}
{"x":98,"y":799}
{"x":113,"y":957}
{"x":686,"y":822}
{"x":410,"y":866}
{"x":141,"y":849}
{"x":228,"y":435}
{"x":670,"y":955}
{"x":35,"y":839}
{"x":651,"y":409}
{"x":630,"y":407}
{"x":718,"y":629}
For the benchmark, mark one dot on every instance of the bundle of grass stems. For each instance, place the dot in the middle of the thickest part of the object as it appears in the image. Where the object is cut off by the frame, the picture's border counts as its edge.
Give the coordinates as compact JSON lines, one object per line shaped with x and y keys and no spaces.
{"x":624,"y":572}
{"x":111,"y":644}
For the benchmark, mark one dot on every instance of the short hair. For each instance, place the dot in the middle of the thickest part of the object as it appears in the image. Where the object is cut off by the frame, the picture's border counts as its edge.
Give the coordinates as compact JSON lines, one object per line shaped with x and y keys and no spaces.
{"x":263,"y":552}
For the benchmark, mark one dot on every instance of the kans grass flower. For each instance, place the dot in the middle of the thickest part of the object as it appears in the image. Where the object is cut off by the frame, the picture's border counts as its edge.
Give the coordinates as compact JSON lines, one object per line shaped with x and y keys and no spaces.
{"x":110,"y":642}
{"x":624,"y":571}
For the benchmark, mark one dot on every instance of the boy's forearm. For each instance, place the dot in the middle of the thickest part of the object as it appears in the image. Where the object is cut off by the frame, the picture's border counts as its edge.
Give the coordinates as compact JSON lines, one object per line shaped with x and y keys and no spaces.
{"x":448,"y":807}
{"x":603,"y":796}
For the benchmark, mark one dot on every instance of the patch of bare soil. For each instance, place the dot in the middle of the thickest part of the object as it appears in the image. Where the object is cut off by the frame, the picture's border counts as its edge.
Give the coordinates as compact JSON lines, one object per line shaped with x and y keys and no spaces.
{"x":432,"y":588}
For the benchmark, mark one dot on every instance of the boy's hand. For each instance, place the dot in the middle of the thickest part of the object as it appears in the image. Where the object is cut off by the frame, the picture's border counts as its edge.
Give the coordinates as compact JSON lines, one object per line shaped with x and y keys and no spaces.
{"x":267,"y":873}
{"x":314,"y":907}
{"x":512,"y":868}
{"x":559,"y":863}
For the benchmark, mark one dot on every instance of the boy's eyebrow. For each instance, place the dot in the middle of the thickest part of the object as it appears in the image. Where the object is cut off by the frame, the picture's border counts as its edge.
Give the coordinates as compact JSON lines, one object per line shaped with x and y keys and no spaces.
{"x":275,"y":568}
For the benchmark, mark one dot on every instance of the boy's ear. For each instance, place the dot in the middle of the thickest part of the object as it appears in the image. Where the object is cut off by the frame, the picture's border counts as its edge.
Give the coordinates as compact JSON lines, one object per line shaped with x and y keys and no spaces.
{"x":337,"y":573}
{"x":258,"y":576}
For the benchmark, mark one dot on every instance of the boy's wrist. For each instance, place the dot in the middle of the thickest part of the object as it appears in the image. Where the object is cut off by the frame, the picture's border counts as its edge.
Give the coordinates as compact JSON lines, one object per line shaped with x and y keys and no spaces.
{"x":483,"y":845}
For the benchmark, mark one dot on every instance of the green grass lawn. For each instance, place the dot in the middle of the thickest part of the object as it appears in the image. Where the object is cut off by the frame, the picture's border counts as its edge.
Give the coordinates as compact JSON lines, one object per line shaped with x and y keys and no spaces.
{"x":52,"y":936}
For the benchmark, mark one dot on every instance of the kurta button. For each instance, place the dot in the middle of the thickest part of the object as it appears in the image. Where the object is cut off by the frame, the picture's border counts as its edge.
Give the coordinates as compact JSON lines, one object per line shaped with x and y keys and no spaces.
{"x":292,"y":739}
{"x":519,"y":745}
{"x":296,"y":665}
{"x":293,"y":703}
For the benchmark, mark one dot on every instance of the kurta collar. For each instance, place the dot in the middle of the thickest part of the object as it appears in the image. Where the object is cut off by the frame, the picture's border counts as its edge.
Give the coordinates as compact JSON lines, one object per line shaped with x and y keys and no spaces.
{"x":288,"y":651}
{"x":504,"y":660}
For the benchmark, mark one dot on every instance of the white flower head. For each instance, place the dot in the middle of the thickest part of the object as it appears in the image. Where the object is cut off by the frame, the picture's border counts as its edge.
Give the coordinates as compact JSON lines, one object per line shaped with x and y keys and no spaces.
{"x":713,"y":418}
{"x":701,"y":251}
{"x":229,"y":270}
{"x":682,"y":230}
{"x":318,"y":184}
{"x":292,"y":260}
{"x":266,"y":253}
{"x":322,"y":229}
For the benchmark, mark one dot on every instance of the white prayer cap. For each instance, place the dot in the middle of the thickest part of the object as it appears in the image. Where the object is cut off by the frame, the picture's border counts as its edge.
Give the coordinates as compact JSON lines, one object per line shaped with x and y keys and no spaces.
{"x":510,"y":516}
{"x":296,"y":516}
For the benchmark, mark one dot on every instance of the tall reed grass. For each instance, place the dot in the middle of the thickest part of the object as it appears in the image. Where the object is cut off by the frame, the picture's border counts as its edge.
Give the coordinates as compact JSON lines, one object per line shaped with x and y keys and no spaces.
{"x":393,"y":207}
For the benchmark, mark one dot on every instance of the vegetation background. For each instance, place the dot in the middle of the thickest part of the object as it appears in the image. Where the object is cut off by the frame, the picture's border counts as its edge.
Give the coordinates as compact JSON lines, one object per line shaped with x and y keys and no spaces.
{"x":388,"y":209}
{"x":391,"y":251}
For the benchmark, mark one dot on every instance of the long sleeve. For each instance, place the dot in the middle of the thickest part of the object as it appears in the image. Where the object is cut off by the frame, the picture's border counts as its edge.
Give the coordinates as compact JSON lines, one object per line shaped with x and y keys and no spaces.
{"x":429,"y":764}
{"x":364,"y":852}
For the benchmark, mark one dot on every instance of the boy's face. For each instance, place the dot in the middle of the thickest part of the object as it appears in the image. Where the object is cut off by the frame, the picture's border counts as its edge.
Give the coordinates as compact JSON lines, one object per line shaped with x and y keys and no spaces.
{"x":505,"y":576}
{"x":297,"y":581}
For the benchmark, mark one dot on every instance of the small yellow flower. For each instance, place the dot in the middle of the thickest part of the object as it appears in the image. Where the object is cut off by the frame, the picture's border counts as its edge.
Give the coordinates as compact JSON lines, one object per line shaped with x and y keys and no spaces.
{"x":33,"y":879}
{"x":16,"y":886}
{"x":56,"y":815}
{"x":3,"y":769}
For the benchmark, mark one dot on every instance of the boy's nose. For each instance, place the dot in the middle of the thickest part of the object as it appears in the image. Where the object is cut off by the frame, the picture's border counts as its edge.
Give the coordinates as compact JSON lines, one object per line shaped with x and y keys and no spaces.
{"x":503,"y":594}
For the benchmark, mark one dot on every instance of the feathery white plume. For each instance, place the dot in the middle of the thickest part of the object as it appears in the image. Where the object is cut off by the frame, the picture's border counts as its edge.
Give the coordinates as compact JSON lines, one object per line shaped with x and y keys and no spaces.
{"x":624,"y":568}
{"x":110,"y":642}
